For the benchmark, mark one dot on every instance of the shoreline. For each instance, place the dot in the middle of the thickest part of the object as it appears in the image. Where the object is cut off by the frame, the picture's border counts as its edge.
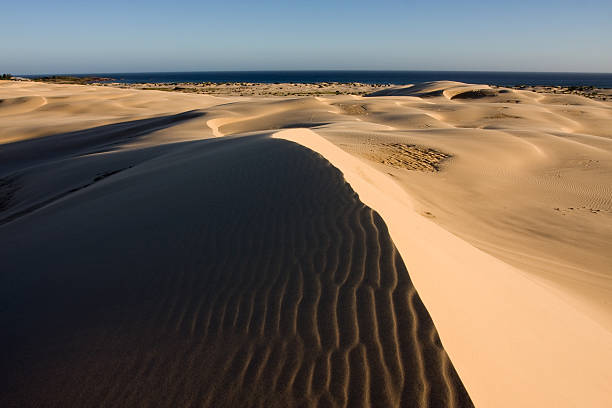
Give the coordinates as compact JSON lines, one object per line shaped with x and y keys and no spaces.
{"x":245,"y":88}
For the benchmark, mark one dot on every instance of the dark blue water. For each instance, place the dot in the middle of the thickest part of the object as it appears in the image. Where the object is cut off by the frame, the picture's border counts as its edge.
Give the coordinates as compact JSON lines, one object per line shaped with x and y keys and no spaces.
{"x":370,"y":77}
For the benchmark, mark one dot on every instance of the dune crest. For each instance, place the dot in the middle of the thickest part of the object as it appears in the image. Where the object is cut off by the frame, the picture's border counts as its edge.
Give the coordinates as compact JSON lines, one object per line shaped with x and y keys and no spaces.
{"x":468,"y":291}
{"x":267,"y":284}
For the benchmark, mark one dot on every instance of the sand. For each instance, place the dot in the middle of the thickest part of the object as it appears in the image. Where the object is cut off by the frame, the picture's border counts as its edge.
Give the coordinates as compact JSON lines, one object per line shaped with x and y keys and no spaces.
{"x":168,"y":249}
{"x":257,"y":89}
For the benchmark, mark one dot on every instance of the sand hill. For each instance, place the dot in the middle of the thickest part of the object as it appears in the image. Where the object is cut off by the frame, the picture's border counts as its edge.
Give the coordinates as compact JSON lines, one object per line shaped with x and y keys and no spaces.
{"x":441,"y":244}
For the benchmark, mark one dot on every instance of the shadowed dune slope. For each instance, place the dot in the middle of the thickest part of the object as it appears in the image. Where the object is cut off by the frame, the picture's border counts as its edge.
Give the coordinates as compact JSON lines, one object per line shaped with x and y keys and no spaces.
{"x":238,"y":272}
{"x":86,"y":141}
{"x":32,"y":109}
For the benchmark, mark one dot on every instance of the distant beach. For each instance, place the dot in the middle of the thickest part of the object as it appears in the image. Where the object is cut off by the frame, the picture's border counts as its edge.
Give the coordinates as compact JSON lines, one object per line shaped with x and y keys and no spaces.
{"x":599,"y":80}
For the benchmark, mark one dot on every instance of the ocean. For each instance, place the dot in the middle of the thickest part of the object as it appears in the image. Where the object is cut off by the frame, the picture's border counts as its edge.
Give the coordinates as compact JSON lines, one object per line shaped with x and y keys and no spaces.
{"x":602,"y":80}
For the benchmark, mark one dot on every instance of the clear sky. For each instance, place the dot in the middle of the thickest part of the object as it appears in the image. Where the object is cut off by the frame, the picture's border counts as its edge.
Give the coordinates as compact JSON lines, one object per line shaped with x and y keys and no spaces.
{"x":46,"y":36}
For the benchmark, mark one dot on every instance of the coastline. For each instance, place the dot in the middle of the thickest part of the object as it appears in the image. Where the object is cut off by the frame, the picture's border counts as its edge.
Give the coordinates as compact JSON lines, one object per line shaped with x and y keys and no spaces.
{"x":393,"y":77}
{"x":245,"y":88}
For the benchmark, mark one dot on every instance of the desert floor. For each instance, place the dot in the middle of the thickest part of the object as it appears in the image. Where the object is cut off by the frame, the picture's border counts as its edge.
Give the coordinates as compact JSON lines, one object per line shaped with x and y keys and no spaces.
{"x":441,"y":244}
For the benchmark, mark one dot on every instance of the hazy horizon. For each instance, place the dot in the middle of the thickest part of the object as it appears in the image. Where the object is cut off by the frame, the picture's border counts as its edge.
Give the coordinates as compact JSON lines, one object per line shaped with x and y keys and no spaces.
{"x":306,"y":70}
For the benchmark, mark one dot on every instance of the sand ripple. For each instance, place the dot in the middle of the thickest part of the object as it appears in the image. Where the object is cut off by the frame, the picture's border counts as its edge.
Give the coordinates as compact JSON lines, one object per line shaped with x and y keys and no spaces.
{"x":207,"y":283}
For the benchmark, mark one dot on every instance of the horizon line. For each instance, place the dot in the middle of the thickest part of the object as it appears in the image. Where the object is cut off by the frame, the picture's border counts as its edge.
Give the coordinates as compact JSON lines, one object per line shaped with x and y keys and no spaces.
{"x":315,"y":70}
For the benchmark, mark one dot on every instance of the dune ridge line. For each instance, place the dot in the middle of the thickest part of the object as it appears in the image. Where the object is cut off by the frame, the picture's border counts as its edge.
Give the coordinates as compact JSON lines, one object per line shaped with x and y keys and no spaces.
{"x":483,"y":308}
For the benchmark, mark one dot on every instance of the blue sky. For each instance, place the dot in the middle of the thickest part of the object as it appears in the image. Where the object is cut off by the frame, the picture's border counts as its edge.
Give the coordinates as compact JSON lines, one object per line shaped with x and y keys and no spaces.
{"x":188,"y":35}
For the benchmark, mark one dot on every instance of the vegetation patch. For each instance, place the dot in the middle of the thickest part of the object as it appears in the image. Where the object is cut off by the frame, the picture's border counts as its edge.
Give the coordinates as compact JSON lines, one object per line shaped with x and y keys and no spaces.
{"x":412,"y":157}
{"x":66,"y":79}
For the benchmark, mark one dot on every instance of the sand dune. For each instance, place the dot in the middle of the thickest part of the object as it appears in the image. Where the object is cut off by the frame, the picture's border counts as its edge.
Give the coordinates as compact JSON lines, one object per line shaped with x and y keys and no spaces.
{"x":20,"y":105}
{"x":76,"y":107}
{"x":187,"y":280}
{"x":527,"y":182}
{"x":526,"y":334}
{"x":163,"y":249}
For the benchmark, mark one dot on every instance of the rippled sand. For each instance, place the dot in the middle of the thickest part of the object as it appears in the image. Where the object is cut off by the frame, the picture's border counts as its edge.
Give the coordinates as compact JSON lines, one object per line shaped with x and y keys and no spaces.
{"x":163,"y":249}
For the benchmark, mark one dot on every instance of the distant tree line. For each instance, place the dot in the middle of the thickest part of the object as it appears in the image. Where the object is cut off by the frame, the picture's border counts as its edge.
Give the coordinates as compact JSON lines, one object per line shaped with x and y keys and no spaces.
{"x":6,"y":76}
{"x":67,"y":79}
